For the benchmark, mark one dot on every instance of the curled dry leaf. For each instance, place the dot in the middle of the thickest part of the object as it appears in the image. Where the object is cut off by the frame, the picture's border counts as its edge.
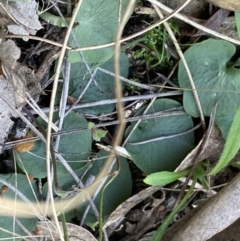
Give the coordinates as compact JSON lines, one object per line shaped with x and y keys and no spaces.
{"x":9,"y":53}
{"x":27,"y":146}
{"x":209,"y":219}
{"x":15,"y":81}
{"x":75,"y":233}
{"x":211,"y":149}
{"x":126,"y":206}
{"x":6,"y":123}
{"x":21,"y":17}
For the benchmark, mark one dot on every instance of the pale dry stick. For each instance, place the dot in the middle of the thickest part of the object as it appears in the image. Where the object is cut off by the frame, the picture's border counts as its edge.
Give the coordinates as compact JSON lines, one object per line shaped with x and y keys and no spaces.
{"x":79,"y":183}
{"x":143,"y":86}
{"x":75,"y":41}
{"x":165,"y":137}
{"x":25,"y":230}
{"x":25,"y":171}
{"x":62,"y":107}
{"x":9,"y":232}
{"x":177,"y":111}
{"x":54,"y":90}
{"x":92,"y":78}
{"x":113,"y":101}
{"x":63,"y":101}
{"x":180,"y":53}
{"x":192,"y":23}
{"x":37,"y":38}
{"x":23,"y":197}
{"x":174,"y":13}
{"x":45,"y":9}
{"x":109,"y":116}
{"x":33,"y":128}
{"x":38,"y":111}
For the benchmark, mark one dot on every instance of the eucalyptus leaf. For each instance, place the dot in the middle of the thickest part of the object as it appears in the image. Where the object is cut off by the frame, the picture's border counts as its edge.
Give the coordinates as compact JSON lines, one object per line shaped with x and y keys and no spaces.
{"x":161,"y":155}
{"x":215,"y":77}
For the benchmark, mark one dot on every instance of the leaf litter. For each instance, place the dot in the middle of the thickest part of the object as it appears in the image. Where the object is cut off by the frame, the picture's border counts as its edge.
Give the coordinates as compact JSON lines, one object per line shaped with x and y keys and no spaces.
{"x":17,"y":79}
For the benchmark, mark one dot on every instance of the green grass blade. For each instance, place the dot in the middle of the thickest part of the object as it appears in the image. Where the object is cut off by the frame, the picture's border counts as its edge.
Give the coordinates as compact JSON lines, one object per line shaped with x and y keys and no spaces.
{"x":164,"y":178}
{"x":232,"y":145}
{"x":237,"y":20}
{"x":161,"y":230}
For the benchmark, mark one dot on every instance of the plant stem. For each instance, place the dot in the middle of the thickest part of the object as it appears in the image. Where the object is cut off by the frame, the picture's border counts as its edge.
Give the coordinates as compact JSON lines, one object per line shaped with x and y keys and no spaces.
{"x":161,"y":230}
{"x":64,"y":226}
{"x":101,"y":208}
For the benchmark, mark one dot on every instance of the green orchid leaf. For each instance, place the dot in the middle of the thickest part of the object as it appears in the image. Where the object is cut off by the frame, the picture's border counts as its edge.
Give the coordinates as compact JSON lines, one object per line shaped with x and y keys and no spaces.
{"x":10,"y":225}
{"x":215,"y":77}
{"x":101,"y":88}
{"x":75,"y":148}
{"x":97,"y":24}
{"x":165,"y":154}
{"x":116,"y":192}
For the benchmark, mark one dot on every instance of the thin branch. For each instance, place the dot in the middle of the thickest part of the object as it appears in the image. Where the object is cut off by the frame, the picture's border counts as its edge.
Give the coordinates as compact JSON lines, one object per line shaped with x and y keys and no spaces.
{"x":54,"y":90}
{"x":195,"y":94}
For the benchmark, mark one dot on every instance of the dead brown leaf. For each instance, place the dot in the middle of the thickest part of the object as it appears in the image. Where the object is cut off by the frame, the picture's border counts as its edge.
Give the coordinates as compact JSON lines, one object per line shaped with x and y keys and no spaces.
{"x":21,"y":17}
{"x":15,"y":81}
{"x":48,"y":231}
{"x":215,"y":215}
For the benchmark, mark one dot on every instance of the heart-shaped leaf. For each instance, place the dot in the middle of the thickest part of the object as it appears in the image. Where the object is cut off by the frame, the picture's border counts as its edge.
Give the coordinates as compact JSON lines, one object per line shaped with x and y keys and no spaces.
{"x":101,"y":88}
{"x":215,"y":77}
{"x":165,"y":154}
{"x":116,"y":192}
{"x":11,"y":225}
{"x":97,"y":24}
{"x":75,"y":149}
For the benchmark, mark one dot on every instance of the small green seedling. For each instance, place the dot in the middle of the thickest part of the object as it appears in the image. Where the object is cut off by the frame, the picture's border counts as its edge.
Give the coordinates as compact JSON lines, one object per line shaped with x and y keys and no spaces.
{"x":97,"y":133}
{"x":152,"y":50}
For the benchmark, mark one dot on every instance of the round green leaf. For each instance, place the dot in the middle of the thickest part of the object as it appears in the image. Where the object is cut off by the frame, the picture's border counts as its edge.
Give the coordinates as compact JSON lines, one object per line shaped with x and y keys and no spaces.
{"x":161,"y":155}
{"x":116,"y":192}
{"x":75,"y":148}
{"x":24,"y":187}
{"x":97,"y":24}
{"x":101,"y":89}
{"x":215,"y":77}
